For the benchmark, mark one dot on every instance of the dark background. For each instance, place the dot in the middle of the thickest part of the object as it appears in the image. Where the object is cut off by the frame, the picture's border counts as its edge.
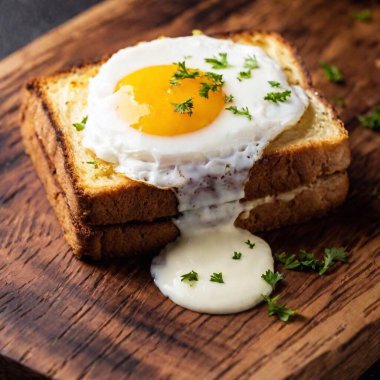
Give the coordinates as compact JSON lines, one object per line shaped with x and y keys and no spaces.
{"x":21,"y":21}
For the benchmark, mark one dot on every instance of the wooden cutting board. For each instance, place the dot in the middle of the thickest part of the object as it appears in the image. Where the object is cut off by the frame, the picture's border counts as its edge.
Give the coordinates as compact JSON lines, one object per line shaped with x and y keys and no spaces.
{"x":68,"y":319}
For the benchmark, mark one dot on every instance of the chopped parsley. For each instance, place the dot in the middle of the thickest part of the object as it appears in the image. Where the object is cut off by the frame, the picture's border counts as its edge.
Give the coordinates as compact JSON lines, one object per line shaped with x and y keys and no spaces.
{"x":274,"y":83}
{"x":331,"y":256}
{"x":244,"y":75}
{"x":277,"y":97}
{"x":282,"y":312}
{"x":190,"y":277}
{"x":215,"y":85}
{"x":182,"y":72}
{"x":250,"y":244}
{"x":242,"y":111}
{"x":93,"y":163}
{"x":307,"y":261}
{"x":218,"y":63}
{"x":80,"y":126}
{"x":332,"y":73}
{"x":371,"y":120}
{"x":272,"y":278}
{"x":303,"y":262}
{"x":250,"y":63}
{"x":228,"y":98}
{"x":217,"y":277}
{"x":363,"y":15}
{"x":184,"y":107}
{"x":237,"y":255}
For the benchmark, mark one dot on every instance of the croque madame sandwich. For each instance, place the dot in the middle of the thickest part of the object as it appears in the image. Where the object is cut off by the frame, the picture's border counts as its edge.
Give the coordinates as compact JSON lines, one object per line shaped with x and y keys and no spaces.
{"x":211,"y":128}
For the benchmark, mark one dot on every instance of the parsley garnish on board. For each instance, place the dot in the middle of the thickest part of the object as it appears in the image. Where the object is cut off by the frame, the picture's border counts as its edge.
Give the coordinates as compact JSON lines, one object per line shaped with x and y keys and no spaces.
{"x":363,"y":15}
{"x":274,"y":83}
{"x":80,"y":126}
{"x":93,"y":163}
{"x":182,"y":73}
{"x":184,"y":107}
{"x":277,"y":97}
{"x":242,"y":111}
{"x":331,"y":256}
{"x":250,"y":244}
{"x":237,"y":255}
{"x":332,"y":73}
{"x":190,"y":277}
{"x":371,"y":120}
{"x":272,"y":278}
{"x":307,"y":261}
{"x":218,"y":63}
{"x":215,"y":85}
{"x":228,"y":98}
{"x":217,"y":277}
{"x":282,"y":312}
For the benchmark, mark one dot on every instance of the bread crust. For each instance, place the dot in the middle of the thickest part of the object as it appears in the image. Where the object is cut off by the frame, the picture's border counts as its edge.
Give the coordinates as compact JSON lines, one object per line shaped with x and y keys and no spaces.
{"x":129,"y":239}
{"x":277,"y":171}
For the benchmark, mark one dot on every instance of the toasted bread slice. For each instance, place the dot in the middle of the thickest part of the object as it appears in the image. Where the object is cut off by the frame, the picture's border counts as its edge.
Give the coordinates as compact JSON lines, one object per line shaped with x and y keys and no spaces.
{"x":316,"y":147}
{"x":120,"y":240}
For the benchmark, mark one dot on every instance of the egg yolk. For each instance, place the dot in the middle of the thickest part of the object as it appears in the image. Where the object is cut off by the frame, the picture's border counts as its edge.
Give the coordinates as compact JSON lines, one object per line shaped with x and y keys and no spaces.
{"x":150,"y":101}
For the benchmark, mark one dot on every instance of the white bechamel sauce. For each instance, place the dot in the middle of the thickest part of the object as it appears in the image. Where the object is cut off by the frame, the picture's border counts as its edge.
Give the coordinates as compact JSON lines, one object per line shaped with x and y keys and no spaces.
{"x":207,"y":251}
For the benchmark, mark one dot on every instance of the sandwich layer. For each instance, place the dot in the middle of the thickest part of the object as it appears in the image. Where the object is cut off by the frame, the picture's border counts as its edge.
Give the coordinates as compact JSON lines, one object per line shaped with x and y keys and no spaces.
{"x":316,"y":147}
{"x":120,"y":240}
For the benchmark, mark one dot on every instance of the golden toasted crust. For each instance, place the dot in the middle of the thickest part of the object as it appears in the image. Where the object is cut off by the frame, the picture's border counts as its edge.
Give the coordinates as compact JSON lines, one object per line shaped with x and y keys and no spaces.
{"x":97,"y":242}
{"x":121,"y":240}
{"x":285,"y":165}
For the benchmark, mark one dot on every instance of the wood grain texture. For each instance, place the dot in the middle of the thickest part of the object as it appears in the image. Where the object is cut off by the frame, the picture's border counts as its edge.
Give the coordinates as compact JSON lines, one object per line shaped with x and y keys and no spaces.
{"x":72,"y":320}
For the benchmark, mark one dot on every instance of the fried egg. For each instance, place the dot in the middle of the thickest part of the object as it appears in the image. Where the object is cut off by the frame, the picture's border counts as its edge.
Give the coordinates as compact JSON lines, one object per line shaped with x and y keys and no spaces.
{"x":131,"y":117}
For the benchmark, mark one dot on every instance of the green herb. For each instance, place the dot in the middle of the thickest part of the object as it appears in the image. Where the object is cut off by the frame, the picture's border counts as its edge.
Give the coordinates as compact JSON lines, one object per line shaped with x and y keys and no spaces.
{"x":331,"y":256}
{"x":93,"y":163}
{"x":244,"y":75}
{"x":332,"y":73}
{"x":371,"y":120}
{"x":217,"y":277}
{"x":80,"y":126}
{"x":273,"y":83}
{"x":272,"y":278}
{"x":182,"y":73}
{"x":184,"y":107}
{"x":282,"y":312}
{"x":215,"y":85}
{"x":190,"y":277}
{"x":363,"y":15}
{"x":242,"y":111}
{"x":277,"y":97}
{"x":237,"y":255}
{"x":228,"y":98}
{"x":251,"y":63}
{"x":307,"y":261}
{"x":304,"y":261}
{"x":187,"y":56}
{"x":250,"y":244}
{"x":337,"y":101}
{"x":221,"y":63}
